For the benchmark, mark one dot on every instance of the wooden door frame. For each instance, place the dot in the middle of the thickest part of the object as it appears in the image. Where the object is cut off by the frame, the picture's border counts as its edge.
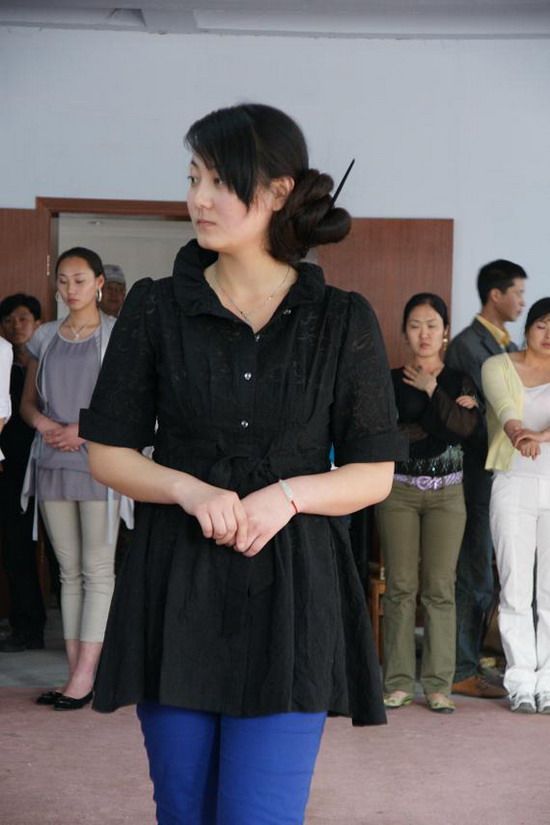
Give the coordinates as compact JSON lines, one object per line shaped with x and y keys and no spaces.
{"x":168,"y":210}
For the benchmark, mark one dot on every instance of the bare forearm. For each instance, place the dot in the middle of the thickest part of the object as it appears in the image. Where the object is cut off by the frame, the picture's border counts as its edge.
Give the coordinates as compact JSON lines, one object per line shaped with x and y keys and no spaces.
{"x":29,"y":410}
{"x":523,"y":434}
{"x":343,"y":490}
{"x":136,"y":476}
{"x":512,"y":427}
{"x":335,"y":493}
{"x":32,"y":416}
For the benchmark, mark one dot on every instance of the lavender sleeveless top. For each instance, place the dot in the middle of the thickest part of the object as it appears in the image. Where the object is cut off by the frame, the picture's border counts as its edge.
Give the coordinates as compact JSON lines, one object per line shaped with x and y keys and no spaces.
{"x":71,"y":373}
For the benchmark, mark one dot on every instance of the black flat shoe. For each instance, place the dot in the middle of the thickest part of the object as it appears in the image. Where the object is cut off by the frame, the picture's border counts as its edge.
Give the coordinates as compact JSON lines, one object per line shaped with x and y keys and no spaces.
{"x":68,"y":703}
{"x":50,"y":697}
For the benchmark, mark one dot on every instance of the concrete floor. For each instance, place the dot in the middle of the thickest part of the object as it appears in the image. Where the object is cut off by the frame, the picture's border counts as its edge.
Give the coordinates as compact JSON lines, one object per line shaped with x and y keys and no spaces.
{"x":36,"y":667}
{"x":481,"y":765}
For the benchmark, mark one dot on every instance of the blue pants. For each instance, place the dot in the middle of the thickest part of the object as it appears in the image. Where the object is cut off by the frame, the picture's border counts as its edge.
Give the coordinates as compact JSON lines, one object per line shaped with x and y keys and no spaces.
{"x":209,"y":769}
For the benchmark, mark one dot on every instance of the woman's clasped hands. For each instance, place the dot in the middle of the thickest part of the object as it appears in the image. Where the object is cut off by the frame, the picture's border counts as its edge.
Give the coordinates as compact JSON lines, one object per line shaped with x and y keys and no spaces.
{"x":245,"y":524}
{"x":63,"y":437}
{"x":526,"y":441}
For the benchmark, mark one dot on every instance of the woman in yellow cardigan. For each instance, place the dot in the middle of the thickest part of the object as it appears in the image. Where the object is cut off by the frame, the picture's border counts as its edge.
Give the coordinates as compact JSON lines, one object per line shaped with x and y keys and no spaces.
{"x":517,"y":388}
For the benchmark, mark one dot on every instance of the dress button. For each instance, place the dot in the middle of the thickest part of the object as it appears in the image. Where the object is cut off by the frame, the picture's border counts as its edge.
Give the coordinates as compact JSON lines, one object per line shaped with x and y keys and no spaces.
{"x":244,"y":424}
{"x":257,"y":337}
{"x":287,"y":311}
{"x":247,"y":376}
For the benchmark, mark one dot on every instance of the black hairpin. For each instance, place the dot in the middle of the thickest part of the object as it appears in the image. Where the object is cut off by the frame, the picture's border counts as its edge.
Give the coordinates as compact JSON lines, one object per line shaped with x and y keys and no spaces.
{"x":342,"y":182}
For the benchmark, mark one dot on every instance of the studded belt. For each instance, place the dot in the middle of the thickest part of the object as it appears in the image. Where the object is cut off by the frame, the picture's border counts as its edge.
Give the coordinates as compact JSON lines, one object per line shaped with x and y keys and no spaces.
{"x":430,"y":482}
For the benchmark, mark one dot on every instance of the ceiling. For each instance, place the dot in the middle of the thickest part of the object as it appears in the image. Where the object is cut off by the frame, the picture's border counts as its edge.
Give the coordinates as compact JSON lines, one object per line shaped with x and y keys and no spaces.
{"x":404,"y":19}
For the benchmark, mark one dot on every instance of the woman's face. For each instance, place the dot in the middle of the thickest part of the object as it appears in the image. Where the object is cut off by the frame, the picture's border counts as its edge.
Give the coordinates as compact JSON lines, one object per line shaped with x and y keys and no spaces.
{"x":77,"y":283}
{"x":538,"y":337}
{"x":424,"y":331}
{"x":221,"y":221}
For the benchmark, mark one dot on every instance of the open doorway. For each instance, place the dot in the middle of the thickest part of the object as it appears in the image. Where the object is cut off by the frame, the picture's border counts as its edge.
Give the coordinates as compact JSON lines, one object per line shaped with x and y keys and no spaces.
{"x":141,"y":237}
{"x":142,"y":246}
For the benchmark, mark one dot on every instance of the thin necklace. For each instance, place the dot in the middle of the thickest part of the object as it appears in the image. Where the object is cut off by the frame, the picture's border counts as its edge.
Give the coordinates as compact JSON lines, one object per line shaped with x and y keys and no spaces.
{"x":78,"y":332}
{"x":248,"y":315}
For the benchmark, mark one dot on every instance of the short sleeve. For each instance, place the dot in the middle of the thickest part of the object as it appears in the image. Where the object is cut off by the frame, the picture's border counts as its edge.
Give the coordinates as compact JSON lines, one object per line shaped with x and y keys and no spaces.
{"x":364,"y":418}
{"x":34,"y":346}
{"x":122,"y":410}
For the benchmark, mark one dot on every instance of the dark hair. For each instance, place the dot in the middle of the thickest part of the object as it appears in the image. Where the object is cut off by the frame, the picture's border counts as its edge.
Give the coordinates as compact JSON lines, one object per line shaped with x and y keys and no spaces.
{"x":497,"y":275}
{"x":11,"y":302}
{"x":92,"y":259}
{"x":421,"y":299}
{"x":251,"y":145}
{"x":539,"y":309}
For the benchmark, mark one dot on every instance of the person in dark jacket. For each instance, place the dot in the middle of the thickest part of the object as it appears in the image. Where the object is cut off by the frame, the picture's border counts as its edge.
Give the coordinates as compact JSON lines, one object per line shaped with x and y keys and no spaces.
{"x":500,"y":285}
{"x":19,"y":318}
{"x":239,"y":619}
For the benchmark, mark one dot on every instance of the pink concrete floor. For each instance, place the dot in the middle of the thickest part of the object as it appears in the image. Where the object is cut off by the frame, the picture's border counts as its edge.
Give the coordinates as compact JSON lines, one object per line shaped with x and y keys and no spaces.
{"x":481,"y":766}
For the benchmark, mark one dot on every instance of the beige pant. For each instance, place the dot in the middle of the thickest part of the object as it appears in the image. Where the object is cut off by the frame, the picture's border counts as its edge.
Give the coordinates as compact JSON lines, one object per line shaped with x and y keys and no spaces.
{"x":420,"y":536}
{"x":78,"y":533}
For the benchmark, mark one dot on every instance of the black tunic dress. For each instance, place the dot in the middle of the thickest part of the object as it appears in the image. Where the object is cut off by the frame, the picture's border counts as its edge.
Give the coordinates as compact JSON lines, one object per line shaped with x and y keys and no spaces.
{"x":200,"y":626}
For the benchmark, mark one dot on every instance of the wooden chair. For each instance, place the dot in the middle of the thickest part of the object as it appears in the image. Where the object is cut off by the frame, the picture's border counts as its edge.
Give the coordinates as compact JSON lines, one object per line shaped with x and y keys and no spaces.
{"x":376,"y":589}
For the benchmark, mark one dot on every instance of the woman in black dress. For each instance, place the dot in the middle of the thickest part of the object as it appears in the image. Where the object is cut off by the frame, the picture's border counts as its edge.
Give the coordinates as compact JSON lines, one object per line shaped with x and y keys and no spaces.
{"x":239,"y":619}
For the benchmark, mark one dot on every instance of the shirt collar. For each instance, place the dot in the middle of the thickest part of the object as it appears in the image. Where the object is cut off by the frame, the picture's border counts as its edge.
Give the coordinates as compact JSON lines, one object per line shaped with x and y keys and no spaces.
{"x":501,"y":336}
{"x":196,"y":297}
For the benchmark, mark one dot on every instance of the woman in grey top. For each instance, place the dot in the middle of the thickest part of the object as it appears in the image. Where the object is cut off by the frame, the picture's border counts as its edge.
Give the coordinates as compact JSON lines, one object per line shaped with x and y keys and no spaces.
{"x":80,"y":514}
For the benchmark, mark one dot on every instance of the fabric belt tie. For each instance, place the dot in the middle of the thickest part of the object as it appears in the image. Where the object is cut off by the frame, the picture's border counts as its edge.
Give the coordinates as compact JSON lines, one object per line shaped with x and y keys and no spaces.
{"x":244,"y":470}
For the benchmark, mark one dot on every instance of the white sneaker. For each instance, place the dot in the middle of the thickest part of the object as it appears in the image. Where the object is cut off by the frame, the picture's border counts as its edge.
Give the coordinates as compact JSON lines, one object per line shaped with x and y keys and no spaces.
{"x":524,"y":703}
{"x":543,"y":703}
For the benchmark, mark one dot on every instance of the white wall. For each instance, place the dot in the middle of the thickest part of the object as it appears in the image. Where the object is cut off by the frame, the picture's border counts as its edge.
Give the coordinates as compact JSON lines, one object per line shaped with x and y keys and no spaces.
{"x":451,"y":129}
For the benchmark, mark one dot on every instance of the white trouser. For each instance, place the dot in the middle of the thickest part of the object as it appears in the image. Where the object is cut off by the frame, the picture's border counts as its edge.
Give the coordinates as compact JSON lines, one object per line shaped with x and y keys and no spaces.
{"x":78,"y":533}
{"x":520,"y":526}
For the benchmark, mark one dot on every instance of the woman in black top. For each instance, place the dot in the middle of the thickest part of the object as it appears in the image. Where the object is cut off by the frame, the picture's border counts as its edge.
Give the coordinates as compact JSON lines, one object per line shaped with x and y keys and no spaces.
{"x":239,"y":604}
{"x":422,"y":522}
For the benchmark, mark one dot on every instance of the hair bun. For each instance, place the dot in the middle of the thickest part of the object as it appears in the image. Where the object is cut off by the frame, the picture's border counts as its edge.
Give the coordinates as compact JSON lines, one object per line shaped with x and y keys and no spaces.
{"x":308,"y":217}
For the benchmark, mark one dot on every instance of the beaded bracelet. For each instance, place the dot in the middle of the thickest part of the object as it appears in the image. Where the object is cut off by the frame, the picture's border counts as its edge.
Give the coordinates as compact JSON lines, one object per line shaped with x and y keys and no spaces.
{"x":287,"y":490}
